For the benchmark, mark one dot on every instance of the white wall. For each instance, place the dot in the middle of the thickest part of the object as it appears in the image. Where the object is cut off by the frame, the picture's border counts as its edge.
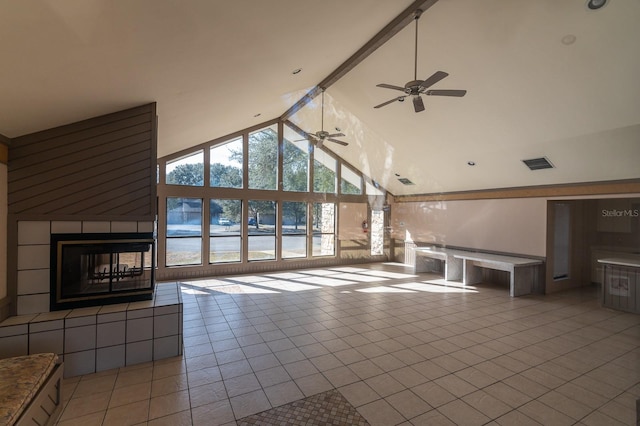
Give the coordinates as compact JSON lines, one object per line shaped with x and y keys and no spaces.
{"x":508,"y":225}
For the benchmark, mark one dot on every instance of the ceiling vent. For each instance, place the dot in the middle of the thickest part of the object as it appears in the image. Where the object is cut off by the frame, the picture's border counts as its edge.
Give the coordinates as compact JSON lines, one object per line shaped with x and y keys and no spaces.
{"x":405,"y":181}
{"x":538,"y":163}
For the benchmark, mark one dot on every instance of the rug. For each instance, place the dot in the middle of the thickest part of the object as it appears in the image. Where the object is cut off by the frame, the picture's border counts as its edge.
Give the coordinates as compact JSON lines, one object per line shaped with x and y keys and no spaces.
{"x":326,"y":408}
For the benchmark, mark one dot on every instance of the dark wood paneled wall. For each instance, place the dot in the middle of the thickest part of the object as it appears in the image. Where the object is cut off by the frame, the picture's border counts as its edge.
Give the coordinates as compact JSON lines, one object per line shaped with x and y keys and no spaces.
{"x":101,"y":167}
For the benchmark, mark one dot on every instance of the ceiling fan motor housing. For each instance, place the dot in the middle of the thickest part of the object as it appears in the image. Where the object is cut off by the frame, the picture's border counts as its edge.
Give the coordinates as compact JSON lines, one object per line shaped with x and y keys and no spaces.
{"x":413,"y":87}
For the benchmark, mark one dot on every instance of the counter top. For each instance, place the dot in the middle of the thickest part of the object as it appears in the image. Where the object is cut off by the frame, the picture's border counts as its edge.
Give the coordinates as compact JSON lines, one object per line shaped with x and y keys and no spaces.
{"x":633,"y":263}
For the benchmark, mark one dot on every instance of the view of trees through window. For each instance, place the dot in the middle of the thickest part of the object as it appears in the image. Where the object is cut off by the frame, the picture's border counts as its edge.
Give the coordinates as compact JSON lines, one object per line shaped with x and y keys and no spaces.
{"x":350,"y":182}
{"x":226,"y":161}
{"x":263,"y":159}
{"x":188,"y":171}
{"x":324,"y":172}
{"x":295,"y":162}
{"x":237,"y":218}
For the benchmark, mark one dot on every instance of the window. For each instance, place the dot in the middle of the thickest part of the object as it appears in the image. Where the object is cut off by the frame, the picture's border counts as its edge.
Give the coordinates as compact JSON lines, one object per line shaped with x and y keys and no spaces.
{"x":262,"y":230}
{"x":295,"y":162}
{"x":294,"y":229}
{"x":187,"y":170}
{"x":263,"y":159}
{"x":350,"y":181}
{"x":324,"y":172}
{"x":324,"y":229}
{"x":184,"y":231}
{"x":225,"y":231}
{"x":226,"y":164}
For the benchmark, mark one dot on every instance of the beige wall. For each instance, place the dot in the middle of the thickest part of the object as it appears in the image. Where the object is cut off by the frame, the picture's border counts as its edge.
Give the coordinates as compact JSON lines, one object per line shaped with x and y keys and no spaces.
{"x":503,"y":225}
{"x":350,"y":221}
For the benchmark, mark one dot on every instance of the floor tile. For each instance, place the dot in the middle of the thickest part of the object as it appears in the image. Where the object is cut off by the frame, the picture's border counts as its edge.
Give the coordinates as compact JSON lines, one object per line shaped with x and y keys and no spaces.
{"x":249,"y":403}
{"x":385,"y":385}
{"x":545,"y":415}
{"x":207,"y":394}
{"x":380,"y":413}
{"x":554,"y":358}
{"x":129,"y":414}
{"x":487,"y":404}
{"x":313,"y":384}
{"x":432,"y":418}
{"x":434,"y":394}
{"x":408,"y":404}
{"x":171,"y":403}
{"x":129,"y":394}
{"x":359,"y":393}
{"x":340,"y":376}
{"x":462,"y":413}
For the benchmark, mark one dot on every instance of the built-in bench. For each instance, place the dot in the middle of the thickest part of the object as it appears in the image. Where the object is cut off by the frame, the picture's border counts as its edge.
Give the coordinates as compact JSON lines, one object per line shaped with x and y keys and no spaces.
{"x":466,"y":266}
{"x":30,"y":390}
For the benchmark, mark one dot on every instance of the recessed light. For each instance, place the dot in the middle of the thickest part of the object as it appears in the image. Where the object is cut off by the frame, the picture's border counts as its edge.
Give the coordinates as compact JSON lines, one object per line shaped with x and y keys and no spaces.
{"x":296,"y":71}
{"x":257,"y":115}
{"x":471,"y":163}
{"x":569,"y":39}
{"x":596,"y":4}
{"x":338,"y":129}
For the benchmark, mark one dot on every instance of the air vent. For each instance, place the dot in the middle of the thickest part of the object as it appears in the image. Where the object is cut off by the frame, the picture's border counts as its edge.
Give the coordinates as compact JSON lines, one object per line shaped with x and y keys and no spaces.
{"x":538,"y":163}
{"x":405,"y":181}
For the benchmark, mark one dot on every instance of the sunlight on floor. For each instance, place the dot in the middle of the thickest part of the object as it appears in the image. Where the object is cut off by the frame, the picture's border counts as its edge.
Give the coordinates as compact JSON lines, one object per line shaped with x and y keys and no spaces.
{"x":434,"y":288}
{"x":384,"y":289}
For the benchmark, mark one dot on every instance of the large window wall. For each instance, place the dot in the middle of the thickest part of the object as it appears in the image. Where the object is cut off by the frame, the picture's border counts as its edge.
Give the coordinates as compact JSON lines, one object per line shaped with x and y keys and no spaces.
{"x":271,"y":195}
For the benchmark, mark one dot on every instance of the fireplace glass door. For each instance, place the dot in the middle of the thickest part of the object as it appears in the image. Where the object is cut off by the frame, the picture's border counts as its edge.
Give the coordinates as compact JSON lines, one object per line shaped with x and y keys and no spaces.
{"x":103,"y":270}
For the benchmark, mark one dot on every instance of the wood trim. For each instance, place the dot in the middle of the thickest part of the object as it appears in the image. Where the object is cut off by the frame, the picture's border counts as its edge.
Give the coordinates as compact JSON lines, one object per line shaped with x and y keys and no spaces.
{"x":4,"y":154}
{"x":100,"y":166}
{"x":564,"y":190}
{"x":391,"y":29}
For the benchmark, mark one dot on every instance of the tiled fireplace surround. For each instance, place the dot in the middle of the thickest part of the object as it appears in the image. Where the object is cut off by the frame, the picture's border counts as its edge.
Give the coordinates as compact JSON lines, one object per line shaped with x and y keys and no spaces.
{"x":87,"y":339}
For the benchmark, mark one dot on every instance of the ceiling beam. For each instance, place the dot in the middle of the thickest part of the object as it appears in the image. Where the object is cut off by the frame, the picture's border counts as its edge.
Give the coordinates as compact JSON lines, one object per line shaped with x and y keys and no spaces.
{"x":392,"y":28}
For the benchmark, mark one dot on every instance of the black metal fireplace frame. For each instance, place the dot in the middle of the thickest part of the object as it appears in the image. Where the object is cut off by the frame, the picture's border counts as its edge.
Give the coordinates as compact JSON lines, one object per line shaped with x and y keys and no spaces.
{"x":98,"y":299}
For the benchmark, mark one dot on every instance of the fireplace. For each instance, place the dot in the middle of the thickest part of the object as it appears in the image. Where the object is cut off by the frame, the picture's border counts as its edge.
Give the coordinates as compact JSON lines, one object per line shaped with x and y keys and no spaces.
{"x":101,"y":269}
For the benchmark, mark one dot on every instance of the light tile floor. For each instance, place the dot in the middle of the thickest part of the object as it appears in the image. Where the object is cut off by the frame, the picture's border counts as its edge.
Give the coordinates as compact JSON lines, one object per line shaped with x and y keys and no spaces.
{"x":402,"y":348}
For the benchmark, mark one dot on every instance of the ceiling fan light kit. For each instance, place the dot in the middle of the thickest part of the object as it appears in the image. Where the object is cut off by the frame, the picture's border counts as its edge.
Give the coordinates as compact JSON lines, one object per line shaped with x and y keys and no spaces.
{"x":596,"y":4}
{"x":416,"y":87}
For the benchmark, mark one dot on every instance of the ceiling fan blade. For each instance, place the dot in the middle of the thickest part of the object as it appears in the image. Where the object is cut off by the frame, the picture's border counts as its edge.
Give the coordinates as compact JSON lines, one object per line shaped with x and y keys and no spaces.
{"x":301,"y":140}
{"x":336,"y":135}
{"x":390,"y":86}
{"x":390,"y":101}
{"x":456,"y":93}
{"x":435,"y":77}
{"x":337,"y":141}
{"x":418,"y":105}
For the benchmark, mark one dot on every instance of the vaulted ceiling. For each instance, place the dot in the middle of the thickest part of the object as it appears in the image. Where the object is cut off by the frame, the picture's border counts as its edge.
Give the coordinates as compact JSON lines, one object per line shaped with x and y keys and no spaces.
{"x":545,"y":78}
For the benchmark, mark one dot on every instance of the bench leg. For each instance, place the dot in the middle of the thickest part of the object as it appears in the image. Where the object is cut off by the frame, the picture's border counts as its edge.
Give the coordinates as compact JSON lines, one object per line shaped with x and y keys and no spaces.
{"x":522,"y":281}
{"x":472,"y":273}
{"x":453,"y":269}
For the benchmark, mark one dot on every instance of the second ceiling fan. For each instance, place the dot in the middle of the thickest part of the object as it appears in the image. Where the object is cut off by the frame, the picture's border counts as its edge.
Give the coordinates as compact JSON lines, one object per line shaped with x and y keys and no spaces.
{"x":416,"y":87}
{"x":322,"y":135}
